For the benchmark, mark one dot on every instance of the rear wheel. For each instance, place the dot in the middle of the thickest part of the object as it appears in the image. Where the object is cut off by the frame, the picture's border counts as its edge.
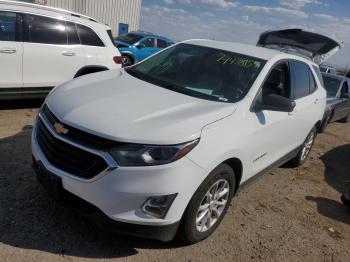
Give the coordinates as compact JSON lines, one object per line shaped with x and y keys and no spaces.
{"x":208,"y":205}
{"x":305,"y":150}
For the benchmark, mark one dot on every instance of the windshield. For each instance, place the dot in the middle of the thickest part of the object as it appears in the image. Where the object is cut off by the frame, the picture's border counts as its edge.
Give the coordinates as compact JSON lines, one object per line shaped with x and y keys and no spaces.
{"x":332,"y":85}
{"x":202,"y":72}
{"x":129,"y":38}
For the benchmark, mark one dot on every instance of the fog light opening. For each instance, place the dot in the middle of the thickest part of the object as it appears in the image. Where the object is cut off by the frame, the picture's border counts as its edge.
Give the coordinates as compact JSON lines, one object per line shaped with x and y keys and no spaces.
{"x":158,"y":206}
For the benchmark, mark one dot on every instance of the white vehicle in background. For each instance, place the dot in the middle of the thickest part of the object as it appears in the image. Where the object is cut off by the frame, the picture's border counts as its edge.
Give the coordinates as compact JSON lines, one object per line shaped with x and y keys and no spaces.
{"x":162,"y":146}
{"x":42,"y":47}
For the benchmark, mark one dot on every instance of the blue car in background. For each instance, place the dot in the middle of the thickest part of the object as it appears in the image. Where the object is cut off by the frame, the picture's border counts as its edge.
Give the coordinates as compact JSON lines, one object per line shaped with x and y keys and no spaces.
{"x":136,"y":46}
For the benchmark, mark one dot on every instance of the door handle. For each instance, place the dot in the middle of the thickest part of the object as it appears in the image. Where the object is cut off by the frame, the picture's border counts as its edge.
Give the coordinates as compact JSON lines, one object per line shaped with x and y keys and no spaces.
{"x":7,"y":51}
{"x":65,"y":53}
{"x":316,"y":101}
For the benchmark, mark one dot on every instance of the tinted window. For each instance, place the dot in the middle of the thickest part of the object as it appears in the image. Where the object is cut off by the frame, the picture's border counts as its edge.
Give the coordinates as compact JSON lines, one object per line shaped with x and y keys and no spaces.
{"x":332,"y":85}
{"x":345,"y":88}
{"x":161,"y":43}
{"x":199,"y":71}
{"x":301,"y":79}
{"x":88,"y":36}
{"x":149,"y":42}
{"x":7,"y":26}
{"x":45,"y":30}
{"x":277,"y":82}
{"x":73,"y":38}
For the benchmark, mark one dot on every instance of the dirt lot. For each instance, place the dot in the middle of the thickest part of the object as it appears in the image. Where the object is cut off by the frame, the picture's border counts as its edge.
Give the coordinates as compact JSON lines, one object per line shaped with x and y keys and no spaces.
{"x":289,"y":215}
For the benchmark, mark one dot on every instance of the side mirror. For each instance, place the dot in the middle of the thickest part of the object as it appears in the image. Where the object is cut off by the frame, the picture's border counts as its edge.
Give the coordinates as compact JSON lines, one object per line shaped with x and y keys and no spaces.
{"x":275,"y":103}
{"x":140,"y":46}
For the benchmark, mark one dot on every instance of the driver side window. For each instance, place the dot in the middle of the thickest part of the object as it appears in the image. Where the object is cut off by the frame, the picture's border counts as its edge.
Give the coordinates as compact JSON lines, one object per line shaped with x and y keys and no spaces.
{"x":277,"y":82}
{"x":149,"y":42}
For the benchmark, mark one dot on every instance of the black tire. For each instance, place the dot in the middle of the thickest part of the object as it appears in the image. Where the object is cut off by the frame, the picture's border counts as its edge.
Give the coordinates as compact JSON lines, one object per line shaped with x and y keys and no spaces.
{"x":325,"y":123}
{"x":188,"y":231}
{"x":127,"y":60}
{"x":345,"y":199}
{"x":344,"y":120}
{"x":301,"y":158}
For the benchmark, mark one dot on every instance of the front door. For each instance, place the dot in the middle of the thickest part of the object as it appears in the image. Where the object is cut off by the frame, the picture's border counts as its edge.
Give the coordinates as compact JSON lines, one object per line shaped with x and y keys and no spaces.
{"x":148,"y":47}
{"x":275,"y":134}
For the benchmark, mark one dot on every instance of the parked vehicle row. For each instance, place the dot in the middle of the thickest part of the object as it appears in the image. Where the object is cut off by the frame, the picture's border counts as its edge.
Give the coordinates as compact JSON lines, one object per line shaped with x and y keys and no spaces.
{"x":42,"y":47}
{"x":338,"y":99}
{"x":161,"y":147}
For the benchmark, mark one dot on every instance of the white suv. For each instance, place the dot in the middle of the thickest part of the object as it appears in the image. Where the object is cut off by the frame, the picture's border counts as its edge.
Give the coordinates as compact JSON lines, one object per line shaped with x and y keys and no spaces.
{"x":165,"y":144}
{"x":41,"y":47}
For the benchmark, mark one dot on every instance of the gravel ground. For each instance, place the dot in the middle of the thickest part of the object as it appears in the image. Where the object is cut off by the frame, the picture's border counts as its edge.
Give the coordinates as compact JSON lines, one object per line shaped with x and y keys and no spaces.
{"x":289,"y":215}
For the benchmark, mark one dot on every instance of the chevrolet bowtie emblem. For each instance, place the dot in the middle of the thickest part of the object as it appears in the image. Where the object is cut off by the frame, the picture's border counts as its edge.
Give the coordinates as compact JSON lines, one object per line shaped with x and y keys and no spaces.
{"x":60,"y":129}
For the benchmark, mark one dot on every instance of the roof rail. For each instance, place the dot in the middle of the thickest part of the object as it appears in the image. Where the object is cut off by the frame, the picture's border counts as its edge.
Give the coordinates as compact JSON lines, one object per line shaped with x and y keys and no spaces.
{"x":142,"y":32}
{"x":47,"y":8}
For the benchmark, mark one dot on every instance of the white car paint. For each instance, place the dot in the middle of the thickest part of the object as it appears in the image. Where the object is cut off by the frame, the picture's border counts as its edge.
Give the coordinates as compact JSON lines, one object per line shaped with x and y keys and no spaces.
{"x":118,"y":106}
{"x":35,"y":65}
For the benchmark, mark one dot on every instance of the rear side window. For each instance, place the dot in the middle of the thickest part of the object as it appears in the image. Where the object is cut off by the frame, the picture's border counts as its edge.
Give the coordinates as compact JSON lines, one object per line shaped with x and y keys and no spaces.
{"x":7,"y":26}
{"x":73,"y":38}
{"x":88,"y":36}
{"x":301,"y":79}
{"x":161,"y":43}
{"x":44,"y":30}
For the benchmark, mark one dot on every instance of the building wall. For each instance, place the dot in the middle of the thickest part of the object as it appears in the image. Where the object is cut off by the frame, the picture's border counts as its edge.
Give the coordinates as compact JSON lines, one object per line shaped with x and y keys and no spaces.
{"x":110,"y":12}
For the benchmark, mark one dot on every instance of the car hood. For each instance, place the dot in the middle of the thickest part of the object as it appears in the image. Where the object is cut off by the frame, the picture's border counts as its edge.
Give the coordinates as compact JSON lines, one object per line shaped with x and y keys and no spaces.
{"x":315,"y":46}
{"x":119,"y":44}
{"x":118,"y":106}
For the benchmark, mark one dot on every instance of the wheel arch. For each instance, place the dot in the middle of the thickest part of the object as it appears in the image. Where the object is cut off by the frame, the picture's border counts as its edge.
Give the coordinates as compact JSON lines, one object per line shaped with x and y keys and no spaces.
{"x":237,"y":167}
{"x":90,"y":69}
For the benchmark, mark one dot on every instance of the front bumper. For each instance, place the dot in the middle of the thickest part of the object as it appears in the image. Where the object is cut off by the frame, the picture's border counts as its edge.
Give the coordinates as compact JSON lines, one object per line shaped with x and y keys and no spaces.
{"x":91,"y":212}
{"x":119,"y":193}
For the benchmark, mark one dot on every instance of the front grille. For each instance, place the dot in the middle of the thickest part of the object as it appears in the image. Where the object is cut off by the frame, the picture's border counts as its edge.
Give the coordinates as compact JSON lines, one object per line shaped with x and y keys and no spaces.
{"x":82,"y":137}
{"x":68,"y":158}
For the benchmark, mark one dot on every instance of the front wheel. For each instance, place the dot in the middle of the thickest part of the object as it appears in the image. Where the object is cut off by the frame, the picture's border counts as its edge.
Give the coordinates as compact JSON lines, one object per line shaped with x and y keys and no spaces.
{"x":127,"y":60}
{"x":305,"y":149}
{"x":208,"y":206}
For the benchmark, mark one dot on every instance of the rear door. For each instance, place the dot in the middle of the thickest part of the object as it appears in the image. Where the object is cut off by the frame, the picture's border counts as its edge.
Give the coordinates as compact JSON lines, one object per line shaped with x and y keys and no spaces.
{"x":11,"y":51}
{"x":309,"y":99}
{"x":48,"y":58}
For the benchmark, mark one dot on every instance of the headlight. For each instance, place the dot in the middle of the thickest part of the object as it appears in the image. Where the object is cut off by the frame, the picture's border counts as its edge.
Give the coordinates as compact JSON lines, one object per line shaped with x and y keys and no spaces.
{"x":149,"y":155}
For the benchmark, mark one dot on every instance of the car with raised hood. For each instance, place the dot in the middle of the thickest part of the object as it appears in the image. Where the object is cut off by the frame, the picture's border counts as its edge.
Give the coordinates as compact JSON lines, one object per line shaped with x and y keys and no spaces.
{"x":338,"y":99}
{"x":42,"y":47}
{"x":138,"y":45}
{"x":161,"y":147}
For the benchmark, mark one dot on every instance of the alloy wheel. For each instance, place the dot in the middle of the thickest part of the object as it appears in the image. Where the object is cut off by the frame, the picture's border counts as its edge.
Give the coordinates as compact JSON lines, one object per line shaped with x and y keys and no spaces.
{"x":212,"y":205}
{"x":307,"y":146}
